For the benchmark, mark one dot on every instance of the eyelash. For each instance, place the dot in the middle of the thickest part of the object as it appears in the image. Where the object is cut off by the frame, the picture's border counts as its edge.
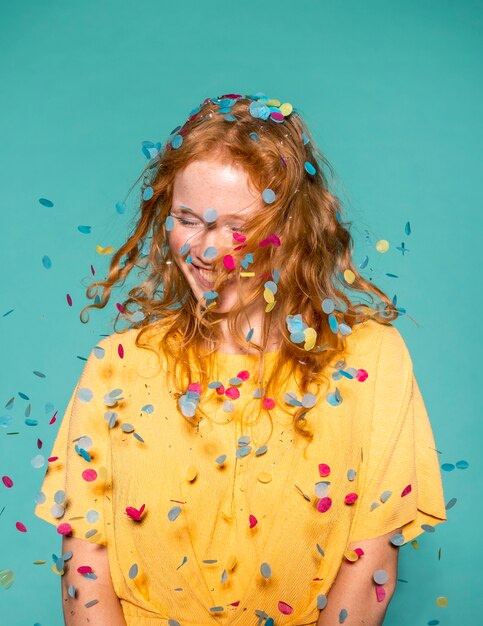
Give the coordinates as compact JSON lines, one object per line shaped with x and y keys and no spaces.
{"x":188,"y":223}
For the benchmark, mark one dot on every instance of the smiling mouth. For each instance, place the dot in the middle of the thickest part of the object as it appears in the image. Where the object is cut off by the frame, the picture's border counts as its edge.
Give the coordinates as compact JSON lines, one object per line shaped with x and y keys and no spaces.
{"x":206,"y":276}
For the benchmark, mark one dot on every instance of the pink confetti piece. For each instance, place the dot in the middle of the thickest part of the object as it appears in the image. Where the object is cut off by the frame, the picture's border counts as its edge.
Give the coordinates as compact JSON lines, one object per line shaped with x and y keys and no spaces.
{"x":120,"y":351}
{"x":7,"y":481}
{"x":271,"y":239}
{"x":89,"y":475}
{"x":229,"y":262}
{"x":69,"y":300}
{"x":21,"y":527}
{"x":253,"y":521}
{"x":51,"y":459}
{"x":239,"y":237}
{"x":93,"y":271}
{"x":359,"y":552}
{"x":54,"y":418}
{"x":324,"y":470}
{"x":268,"y":403}
{"x":233,"y":393}
{"x":220,"y":390}
{"x":244,"y":375}
{"x":324,"y":504}
{"x":196,"y":387}
{"x":380,"y":593}
{"x":350,"y":498}
{"x":84,"y":569}
{"x":284,"y":608}
{"x":39,"y":444}
{"x":361,"y":375}
{"x":64,"y":529}
{"x":406,"y":490}
{"x":135,"y":514}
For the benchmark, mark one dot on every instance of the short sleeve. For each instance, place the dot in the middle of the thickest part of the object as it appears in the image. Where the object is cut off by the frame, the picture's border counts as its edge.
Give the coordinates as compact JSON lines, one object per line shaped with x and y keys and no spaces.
{"x":77,"y":481}
{"x":401,"y":479}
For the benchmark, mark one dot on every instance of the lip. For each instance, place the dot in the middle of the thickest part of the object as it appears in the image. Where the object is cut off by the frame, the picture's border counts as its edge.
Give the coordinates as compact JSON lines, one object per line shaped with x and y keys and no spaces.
{"x":200,"y":278}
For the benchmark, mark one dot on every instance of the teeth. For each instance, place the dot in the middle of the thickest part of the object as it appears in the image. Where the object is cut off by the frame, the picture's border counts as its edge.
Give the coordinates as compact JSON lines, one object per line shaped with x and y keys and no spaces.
{"x":206,"y":274}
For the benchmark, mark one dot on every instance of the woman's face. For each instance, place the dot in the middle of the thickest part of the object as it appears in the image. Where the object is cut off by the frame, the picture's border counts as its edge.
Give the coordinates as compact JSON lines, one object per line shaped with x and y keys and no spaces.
{"x":202,"y":185}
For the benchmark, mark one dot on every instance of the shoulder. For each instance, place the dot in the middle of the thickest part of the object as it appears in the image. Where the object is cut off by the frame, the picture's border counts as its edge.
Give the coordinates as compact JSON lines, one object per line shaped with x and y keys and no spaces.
{"x":383,"y":341}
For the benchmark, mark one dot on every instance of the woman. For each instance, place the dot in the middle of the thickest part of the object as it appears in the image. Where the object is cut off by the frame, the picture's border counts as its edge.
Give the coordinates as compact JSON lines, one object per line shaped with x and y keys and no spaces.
{"x":256,"y":439}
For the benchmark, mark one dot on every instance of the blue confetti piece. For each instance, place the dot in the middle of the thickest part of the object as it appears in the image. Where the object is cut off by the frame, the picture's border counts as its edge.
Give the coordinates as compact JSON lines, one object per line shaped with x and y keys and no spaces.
{"x":210,"y":295}
{"x":174,"y":513}
{"x":45,"y":202}
{"x":305,"y":139}
{"x":462,"y":464}
{"x":169,"y":224}
{"x":309,"y":168}
{"x":176,"y":141}
{"x":268,"y":196}
{"x":185,"y":248}
{"x":85,"y":230}
{"x":46,"y":262}
{"x":364,"y":262}
{"x":189,"y":259}
{"x":210,"y":252}
{"x":31,"y":422}
{"x":333,"y":324}
{"x":121,"y":207}
{"x":407,"y":230}
{"x":447,"y":467}
{"x":148,"y":193}
{"x":250,"y":334}
{"x":210,"y":215}
{"x":253,"y":135}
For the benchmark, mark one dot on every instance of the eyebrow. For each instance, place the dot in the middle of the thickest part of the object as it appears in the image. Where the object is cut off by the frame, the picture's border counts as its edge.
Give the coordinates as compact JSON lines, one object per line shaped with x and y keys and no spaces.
{"x":186,"y":209}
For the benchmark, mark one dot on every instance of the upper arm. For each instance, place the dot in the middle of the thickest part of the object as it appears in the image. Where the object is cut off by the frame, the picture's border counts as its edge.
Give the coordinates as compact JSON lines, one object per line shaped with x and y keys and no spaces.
{"x":107,"y":609}
{"x":354,"y":588}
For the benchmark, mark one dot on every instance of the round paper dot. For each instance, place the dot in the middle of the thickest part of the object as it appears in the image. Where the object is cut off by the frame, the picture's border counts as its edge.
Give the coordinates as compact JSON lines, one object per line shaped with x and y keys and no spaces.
{"x":324,"y":470}
{"x":442,"y":601}
{"x":309,"y":168}
{"x":349,"y":276}
{"x":268,"y":196}
{"x":89,"y":475}
{"x":210,"y":215}
{"x":382,"y":245}
{"x":169,"y":223}
{"x":380,"y":576}
{"x":7,"y":481}
{"x":210,"y":252}
{"x":324,"y":505}
{"x":148,"y":193}
{"x":64,"y":528}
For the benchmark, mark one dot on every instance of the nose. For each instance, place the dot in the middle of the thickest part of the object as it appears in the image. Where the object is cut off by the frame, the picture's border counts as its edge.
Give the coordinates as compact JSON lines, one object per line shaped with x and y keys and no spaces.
{"x":210,"y":237}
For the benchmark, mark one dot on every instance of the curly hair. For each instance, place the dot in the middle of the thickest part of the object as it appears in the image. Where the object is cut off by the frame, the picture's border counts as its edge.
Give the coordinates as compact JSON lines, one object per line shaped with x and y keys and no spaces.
{"x":310,"y":264}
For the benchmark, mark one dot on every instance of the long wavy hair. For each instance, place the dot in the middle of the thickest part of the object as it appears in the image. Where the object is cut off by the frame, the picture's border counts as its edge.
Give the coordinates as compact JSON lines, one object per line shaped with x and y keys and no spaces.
{"x":308,"y":255}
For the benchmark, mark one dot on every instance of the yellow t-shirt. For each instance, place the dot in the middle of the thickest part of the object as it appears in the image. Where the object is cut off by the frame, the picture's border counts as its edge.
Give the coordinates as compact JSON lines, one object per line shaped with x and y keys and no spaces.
{"x":223,"y":539}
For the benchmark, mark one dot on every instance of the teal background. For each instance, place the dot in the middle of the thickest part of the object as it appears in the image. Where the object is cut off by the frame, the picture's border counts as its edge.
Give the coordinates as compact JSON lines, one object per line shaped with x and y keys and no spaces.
{"x":392,"y":94}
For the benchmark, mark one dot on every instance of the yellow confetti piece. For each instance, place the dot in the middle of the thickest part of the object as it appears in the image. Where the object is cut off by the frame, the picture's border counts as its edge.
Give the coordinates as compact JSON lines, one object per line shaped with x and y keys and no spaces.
{"x":415,"y":544}
{"x":231,"y":562}
{"x":107,"y":250}
{"x":40,"y":562}
{"x":264,"y":477}
{"x":349,"y":276}
{"x":310,"y":338}
{"x":273,"y":103}
{"x":442,"y":601}
{"x":268,"y":295}
{"x":351,"y":555}
{"x":244,"y":274}
{"x":191,"y":473}
{"x":269,"y":306}
{"x":56,"y":571}
{"x":382,"y":245}
{"x":286,"y":108}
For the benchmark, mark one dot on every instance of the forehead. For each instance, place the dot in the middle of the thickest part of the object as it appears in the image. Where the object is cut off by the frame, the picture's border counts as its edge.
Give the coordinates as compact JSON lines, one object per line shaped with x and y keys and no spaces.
{"x":207,"y":183}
